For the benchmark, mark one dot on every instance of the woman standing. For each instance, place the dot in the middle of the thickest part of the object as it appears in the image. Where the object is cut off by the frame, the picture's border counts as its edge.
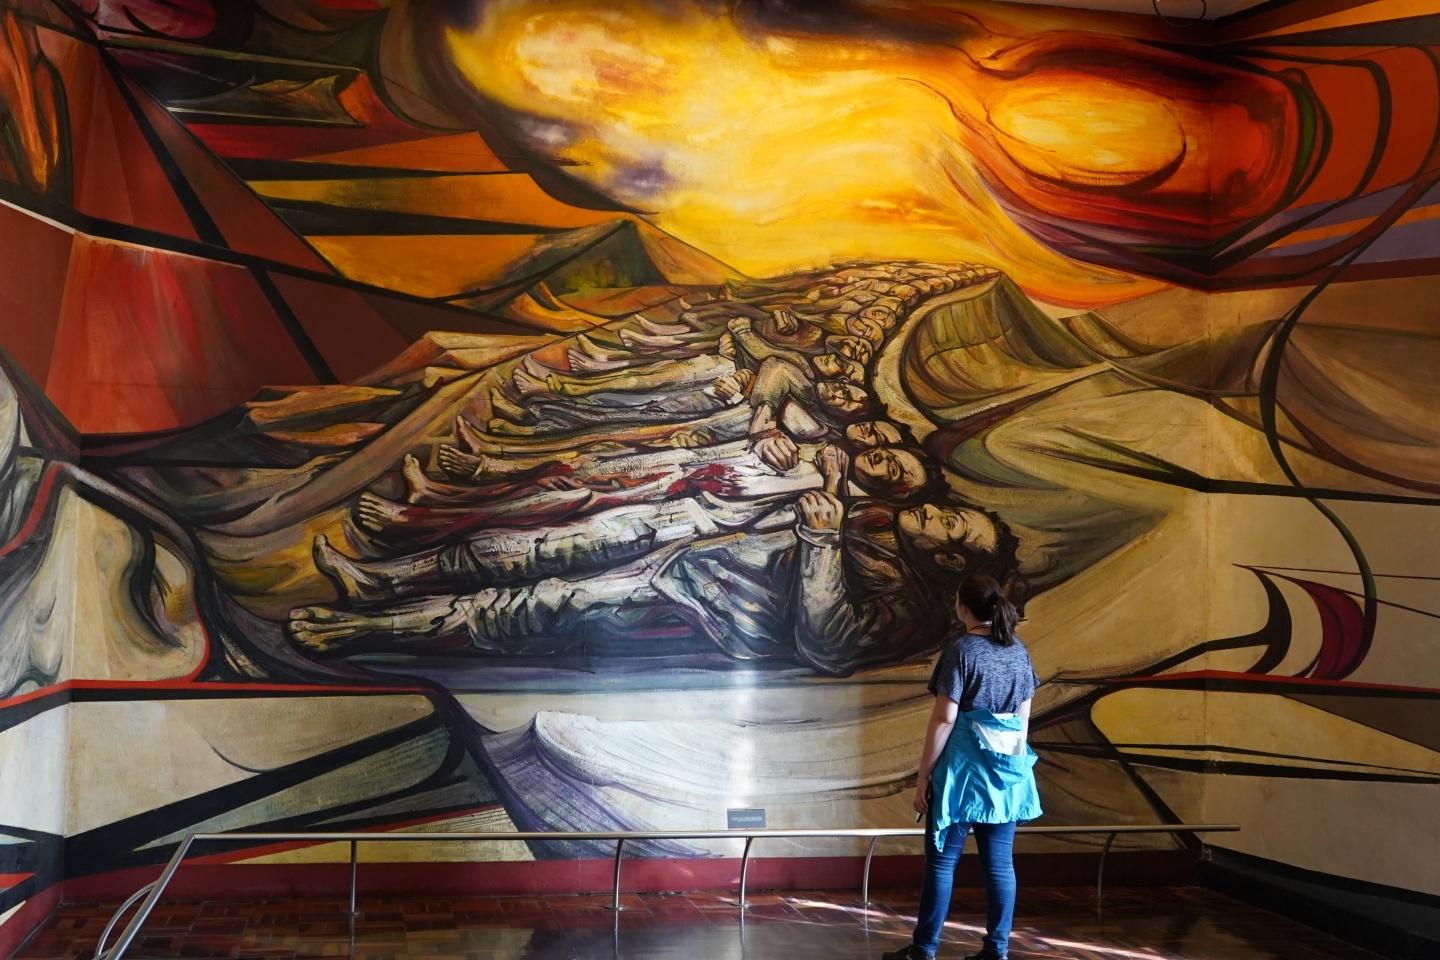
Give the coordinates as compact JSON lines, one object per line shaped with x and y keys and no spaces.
{"x":976,"y":769}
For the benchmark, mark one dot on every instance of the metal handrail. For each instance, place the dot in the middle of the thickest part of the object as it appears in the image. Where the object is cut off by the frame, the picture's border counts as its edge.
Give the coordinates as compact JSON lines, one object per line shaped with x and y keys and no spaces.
{"x":154,"y":890}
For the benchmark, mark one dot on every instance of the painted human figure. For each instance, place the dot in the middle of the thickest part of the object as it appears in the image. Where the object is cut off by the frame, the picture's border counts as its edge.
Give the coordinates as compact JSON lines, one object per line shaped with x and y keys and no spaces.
{"x":809,"y":583}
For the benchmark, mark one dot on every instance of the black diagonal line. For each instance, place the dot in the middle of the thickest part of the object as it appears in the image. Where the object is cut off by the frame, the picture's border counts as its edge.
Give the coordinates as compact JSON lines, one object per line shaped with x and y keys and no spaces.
{"x":134,"y":832}
{"x":200,"y":217}
{"x":294,"y":328}
{"x":317,"y":218}
{"x":218,"y":253}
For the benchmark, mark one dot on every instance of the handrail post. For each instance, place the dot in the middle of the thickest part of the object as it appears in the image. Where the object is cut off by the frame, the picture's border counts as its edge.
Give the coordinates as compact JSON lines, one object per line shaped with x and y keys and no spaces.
{"x":354,"y":870}
{"x":619,"y":852}
{"x":1100,"y":876}
{"x":865,"y":882}
{"x":148,"y":905}
{"x":745,"y":870}
{"x":120,"y":912}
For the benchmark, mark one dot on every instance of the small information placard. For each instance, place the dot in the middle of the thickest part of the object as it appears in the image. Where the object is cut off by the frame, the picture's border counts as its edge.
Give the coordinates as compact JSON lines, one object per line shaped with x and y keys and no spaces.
{"x":746,"y":819}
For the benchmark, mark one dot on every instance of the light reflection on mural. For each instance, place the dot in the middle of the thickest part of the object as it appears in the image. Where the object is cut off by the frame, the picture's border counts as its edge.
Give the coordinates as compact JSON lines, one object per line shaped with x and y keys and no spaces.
{"x":468,"y":405}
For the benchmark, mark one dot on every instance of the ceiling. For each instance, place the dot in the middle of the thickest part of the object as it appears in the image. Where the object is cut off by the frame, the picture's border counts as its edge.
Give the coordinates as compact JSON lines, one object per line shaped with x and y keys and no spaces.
{"x":1174,"y":9}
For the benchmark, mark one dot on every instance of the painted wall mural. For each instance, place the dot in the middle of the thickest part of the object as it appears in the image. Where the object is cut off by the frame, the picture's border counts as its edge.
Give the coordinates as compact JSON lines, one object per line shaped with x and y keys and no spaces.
{"x":532,"y":415}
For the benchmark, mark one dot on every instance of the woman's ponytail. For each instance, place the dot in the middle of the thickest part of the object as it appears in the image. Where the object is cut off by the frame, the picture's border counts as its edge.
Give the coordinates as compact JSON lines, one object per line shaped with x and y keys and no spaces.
{"x":985,"y":598}
{"x":1003,"y":621}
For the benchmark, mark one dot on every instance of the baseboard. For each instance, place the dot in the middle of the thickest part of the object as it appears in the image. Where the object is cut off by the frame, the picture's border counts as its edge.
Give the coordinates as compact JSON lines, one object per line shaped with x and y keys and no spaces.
{"x":1391,"y":921}
{"x":25,"y":922}
{"x":640,"y":875}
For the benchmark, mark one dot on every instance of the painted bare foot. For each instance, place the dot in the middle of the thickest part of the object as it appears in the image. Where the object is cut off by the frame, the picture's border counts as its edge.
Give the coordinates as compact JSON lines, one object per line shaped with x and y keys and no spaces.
{"x":535,"y":368}
{"x":501,"y":405}
{"x":644,"y":342}
{"x":417,"y":485}
{"x":355,"y":583}
{"x":584,"y":363}
{"x":661,"y":329}
{"x":509,"y":428}
{"x":527,"y":385}
{"x":375,"y":513}
{"x":465,"y":466}
{"x":469,"y":437}
{"x":324,"y":630}
{"x":592,"y":349}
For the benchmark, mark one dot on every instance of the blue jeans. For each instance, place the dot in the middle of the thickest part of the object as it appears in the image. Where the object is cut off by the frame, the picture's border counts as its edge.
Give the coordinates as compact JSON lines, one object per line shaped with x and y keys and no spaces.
{"x":996,"y":842}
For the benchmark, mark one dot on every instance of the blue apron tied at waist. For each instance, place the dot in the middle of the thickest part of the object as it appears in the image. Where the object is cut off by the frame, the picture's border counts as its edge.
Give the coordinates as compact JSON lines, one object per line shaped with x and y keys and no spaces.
{"x":985,"y":774}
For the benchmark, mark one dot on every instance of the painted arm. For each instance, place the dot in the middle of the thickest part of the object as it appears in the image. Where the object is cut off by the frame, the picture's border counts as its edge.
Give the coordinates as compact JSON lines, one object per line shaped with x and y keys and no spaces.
{"x":775,"y":382}
{"x":758,"y":348}
{"x":834,"y":635}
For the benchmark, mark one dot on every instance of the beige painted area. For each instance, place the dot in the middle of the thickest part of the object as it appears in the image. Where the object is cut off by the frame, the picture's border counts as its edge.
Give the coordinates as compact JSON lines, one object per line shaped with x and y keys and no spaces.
{"x":36,"y":626}
{"x":80,"y":591}
{"x":1086,"y":628}
{"x":127,"y":758}
{"x":1382,"y":833}
{"x":755,"y":699}
{"x":492,"y":820}
{"x":32,"y":771}
{"x":1290,"y":532}
{"x":112,"y":641}
{"x":1270,"y":729}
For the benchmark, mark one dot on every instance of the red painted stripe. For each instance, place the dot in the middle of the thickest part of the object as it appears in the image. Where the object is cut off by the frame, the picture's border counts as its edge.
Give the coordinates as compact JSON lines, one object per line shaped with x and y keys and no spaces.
{"x":641,"y":875}
{"x":1166,"y":678}
{"x":37,"y":509}
{"x":190,"y":685}
{"x":30,"y":917}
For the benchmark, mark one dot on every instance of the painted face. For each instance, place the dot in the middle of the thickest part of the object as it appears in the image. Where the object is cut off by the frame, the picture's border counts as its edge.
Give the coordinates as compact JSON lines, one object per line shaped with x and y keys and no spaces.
{"x":835,"y":367}
{"x":841,"y":397}
{"x":889,"y":471}
{"x":872,"y":433}
{"x":865,"y":328}
{"x":884,"y":316}
{"x":852,"y":348}
{"x":949,"y":529}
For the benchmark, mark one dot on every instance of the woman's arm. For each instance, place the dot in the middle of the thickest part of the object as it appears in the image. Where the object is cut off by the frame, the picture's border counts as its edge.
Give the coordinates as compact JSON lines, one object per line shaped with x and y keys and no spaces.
{"x":1024,"y":712}
{"x":937,"y":732}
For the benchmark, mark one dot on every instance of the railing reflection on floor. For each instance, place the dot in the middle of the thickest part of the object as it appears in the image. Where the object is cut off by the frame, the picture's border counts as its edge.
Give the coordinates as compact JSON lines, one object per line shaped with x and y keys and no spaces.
{"x":149,"y":895}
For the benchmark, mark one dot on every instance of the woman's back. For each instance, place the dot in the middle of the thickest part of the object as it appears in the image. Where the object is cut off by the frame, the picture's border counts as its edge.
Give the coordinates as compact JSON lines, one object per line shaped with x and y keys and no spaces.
{"x":979,"y":673}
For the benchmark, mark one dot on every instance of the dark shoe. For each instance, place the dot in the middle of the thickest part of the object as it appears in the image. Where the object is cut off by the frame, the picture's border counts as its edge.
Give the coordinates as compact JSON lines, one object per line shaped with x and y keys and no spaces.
{"x":911,"y":952}
{"x":982,"y":955}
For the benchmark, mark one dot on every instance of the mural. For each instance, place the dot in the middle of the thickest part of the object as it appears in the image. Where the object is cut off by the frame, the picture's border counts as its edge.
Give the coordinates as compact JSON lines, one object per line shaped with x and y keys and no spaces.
{"x":577,"y":416}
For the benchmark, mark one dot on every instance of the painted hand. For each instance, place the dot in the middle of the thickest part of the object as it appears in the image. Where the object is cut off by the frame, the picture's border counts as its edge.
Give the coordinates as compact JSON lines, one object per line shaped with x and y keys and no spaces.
{"x":820,"y":510}
{"x":778,"y":452}
{"x":731,"y":387}
{"x":689,"y":438}
{"x":833,"y":462}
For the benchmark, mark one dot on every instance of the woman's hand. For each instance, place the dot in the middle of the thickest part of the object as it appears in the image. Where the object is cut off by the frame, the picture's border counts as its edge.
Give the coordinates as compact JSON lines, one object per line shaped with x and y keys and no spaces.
{"x":922,"y":802}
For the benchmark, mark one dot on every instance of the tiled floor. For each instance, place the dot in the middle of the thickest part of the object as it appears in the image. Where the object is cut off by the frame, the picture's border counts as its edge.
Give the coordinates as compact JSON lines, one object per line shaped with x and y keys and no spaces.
{"x":1144,"y":924}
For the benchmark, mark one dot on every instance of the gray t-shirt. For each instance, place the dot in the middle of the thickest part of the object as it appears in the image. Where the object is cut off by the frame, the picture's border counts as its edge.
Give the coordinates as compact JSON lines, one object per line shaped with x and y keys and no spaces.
{"x":980,"y":674}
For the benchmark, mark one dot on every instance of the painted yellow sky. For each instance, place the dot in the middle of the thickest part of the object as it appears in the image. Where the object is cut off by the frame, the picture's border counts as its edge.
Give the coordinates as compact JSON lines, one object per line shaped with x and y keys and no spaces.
{"x":776,"y":153}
